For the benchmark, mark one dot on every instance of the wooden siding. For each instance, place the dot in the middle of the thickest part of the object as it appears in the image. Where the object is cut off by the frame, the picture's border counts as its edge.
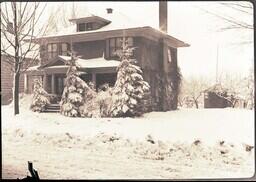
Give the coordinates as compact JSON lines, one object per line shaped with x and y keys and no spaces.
{"x":149,"y":59}
{"x":151,"y":56}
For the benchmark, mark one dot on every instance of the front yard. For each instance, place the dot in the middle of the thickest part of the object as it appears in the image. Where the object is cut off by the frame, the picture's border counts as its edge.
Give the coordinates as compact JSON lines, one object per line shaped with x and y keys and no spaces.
{"x":187,"y":143}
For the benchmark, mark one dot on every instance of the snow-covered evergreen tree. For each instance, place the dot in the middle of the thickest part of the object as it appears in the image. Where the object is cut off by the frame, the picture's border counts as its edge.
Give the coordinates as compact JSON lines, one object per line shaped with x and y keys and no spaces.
{"x":130,"y":89}
{"x":74,"y":92}
{"x":39,"y":100}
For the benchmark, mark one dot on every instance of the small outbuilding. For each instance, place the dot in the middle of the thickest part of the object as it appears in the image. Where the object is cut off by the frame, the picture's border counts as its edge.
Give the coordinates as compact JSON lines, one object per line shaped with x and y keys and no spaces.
{"x":217,"y":97}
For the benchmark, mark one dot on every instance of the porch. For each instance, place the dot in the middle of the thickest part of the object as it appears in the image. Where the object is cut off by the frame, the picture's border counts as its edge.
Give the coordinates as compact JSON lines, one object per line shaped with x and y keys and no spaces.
{"x":98,"y":71}
{"x":54,"y":83}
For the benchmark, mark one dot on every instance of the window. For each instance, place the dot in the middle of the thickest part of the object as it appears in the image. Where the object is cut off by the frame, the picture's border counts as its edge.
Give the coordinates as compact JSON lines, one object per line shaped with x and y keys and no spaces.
{"x":52,"y":50}
{"x":169,"y":56}
{"x":115,"y":44}
{"x":88,"y":26}
{"x":85,"y":26}
{"x":81,"y":27}
{"x":172,"y":55}
{"x":64,"y":49}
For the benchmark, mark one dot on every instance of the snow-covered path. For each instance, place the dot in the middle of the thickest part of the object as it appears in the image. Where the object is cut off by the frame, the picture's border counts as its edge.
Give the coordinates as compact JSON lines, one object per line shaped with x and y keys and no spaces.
{"x":62,"y":147}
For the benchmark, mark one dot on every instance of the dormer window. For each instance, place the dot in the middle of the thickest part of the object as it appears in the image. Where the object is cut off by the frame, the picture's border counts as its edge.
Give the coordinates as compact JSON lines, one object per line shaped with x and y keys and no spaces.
{"x":88,"y":26}
{"x":81,"y":27}
{"x":89,"y":23}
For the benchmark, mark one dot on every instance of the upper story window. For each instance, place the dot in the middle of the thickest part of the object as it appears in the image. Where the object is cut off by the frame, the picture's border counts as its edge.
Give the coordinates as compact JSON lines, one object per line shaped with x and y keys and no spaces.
{"x":64,"y":48}
{"x":172,"y":55}
{"x":115,"y":44}
{"x":169,"y":56}
{"x":52,"y":50}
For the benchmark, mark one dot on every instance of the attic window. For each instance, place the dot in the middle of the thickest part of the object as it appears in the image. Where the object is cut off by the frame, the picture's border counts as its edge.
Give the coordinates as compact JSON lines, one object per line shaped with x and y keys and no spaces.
{"x":81,"y":27}
{"x":88,"y":26}
{"x":85,"y":27}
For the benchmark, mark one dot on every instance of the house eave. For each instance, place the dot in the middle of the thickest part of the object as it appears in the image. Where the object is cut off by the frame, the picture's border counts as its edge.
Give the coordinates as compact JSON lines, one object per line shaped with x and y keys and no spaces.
{"x":147,"y":32}
{"x":89,"y":19}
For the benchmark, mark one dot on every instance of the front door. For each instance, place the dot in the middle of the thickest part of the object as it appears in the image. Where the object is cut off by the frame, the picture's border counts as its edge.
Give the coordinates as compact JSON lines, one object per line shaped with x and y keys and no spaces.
{"x":60,"y":83}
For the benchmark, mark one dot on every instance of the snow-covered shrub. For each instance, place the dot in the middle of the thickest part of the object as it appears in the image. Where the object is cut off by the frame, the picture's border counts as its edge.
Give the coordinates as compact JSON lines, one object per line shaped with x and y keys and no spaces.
{"x":105,"y":101}
{"x":40,"y":97}
{"x":130,"y":88}
{"x":73,"y":93}
{"x":90,"y":107}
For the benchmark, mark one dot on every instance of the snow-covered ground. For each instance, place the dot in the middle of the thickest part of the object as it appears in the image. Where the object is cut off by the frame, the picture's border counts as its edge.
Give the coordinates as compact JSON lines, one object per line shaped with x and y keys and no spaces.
{"x":159,"y":145}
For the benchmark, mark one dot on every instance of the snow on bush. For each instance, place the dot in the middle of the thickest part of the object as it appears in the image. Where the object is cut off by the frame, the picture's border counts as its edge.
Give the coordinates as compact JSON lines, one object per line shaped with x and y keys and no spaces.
{"x":130,"y":88}
{"x":74,"y":92}
{"x":90,"y":107}
{"x":127,"y":98}
{"x":40,"y":99}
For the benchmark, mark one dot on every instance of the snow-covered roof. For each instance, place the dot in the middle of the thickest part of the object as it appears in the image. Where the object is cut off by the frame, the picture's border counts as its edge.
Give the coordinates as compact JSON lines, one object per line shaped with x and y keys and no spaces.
{"x":33,"y":68}
{"x":88,"y":19}
{"x":118,"y":21}
{"x":100,"y":62}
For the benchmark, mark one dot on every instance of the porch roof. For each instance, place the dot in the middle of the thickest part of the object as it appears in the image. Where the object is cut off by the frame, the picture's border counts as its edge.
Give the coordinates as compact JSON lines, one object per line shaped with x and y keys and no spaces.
{"x":100,"y":62}
{"x":97,"y":65}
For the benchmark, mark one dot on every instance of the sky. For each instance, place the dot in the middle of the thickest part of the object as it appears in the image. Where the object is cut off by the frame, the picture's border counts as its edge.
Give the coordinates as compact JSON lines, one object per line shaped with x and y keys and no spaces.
{"x":188,"y":22}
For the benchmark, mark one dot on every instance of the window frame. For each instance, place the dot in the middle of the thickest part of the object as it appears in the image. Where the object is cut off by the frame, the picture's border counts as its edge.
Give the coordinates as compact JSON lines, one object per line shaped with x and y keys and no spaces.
{"x":113,"y":49}
{"x":52,"y":53}
{"x":81,"y":25}
{"x":66,"y":51}
{"x":87,"y":27}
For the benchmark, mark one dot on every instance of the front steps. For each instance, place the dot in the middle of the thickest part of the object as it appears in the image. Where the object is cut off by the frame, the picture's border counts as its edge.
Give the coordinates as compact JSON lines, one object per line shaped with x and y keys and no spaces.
{"x":53,"y":108}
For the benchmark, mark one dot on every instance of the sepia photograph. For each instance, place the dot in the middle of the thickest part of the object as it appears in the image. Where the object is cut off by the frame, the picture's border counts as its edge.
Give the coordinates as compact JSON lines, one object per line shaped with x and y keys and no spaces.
{"x":127,"y":90}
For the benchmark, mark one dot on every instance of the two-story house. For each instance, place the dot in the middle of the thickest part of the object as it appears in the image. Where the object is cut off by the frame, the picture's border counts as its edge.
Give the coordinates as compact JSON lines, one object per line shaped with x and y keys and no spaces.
{"x":95,"y":39}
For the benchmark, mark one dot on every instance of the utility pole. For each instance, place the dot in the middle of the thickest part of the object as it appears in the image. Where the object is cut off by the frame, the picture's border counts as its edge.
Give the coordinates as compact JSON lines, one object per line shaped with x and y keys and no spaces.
{"x":217,"y":62}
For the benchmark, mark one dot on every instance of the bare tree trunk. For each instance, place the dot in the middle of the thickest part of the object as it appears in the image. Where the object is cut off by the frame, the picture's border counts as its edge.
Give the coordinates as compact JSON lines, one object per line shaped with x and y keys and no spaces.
{"x":16,"y":93}
{"x":196,"y":103}
{"x":17,"y":66}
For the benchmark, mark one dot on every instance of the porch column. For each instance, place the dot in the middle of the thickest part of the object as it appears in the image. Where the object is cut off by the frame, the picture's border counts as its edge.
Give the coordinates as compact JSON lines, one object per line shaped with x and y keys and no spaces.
{"x":45,"y":82}
{"x":94,"y":79}
{"x":25,"y":83}
{"x":53,"y":84}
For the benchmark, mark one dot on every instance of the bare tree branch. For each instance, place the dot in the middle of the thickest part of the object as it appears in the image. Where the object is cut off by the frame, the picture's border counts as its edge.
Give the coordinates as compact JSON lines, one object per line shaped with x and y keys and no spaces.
{"x":230,"y":20}
{"x":25,"y":19}
{"x":231,"y":5}
{"x":247,"y":5}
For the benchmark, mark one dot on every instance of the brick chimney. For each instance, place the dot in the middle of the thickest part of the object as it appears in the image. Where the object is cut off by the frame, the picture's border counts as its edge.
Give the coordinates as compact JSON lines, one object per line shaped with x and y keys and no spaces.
{"x":109,"y":10}
{"x":163,"y":15}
